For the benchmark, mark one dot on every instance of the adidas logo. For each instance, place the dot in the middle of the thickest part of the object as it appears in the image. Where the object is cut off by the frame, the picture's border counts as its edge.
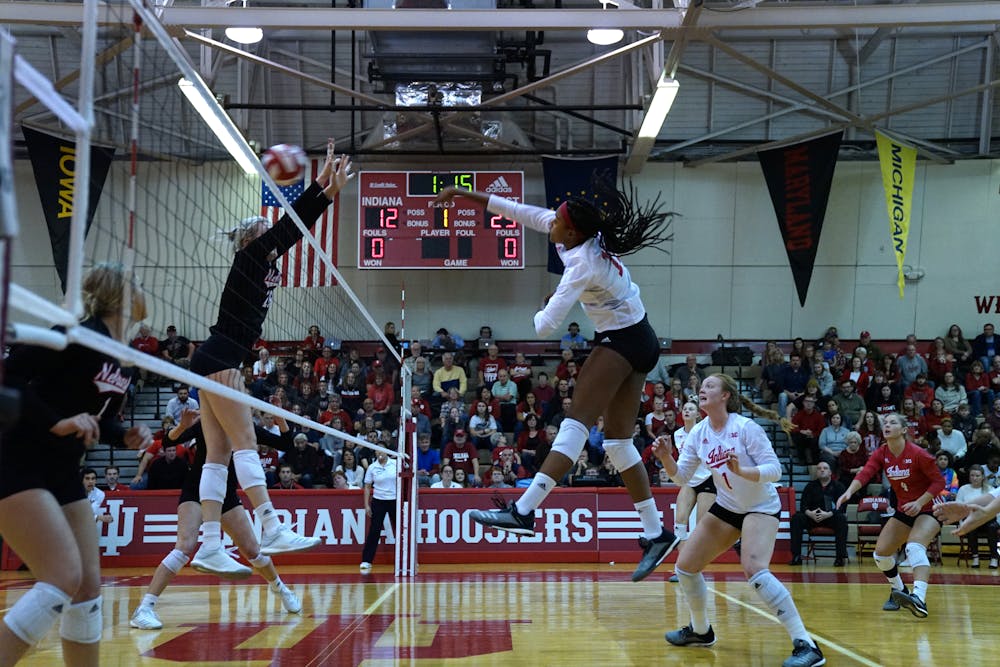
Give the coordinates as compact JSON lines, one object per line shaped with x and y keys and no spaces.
{"x":499,"y":186}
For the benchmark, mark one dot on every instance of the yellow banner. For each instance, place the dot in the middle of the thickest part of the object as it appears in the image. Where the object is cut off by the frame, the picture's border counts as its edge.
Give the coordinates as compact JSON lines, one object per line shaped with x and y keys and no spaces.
{"x":898,"y":163}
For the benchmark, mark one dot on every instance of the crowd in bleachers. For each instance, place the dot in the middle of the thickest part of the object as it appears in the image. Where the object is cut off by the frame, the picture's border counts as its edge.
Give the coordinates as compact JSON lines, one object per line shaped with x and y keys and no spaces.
{"x":486,"y":416}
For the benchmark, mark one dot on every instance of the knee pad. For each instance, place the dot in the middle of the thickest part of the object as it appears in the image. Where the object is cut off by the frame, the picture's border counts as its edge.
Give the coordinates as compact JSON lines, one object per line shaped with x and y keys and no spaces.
{"x":175,"y":561}
{"x":622,"y":453}
{"x":248,"y":470}
{"x":36,"y":612}
{"x":884,"y":563}
{"x":916,"y":553}
{"x":213,"y":482}
{"x":571,"y":439}
{"x":770,"y":590}
{"x":83,"y":622}
{"x":261,"y":561}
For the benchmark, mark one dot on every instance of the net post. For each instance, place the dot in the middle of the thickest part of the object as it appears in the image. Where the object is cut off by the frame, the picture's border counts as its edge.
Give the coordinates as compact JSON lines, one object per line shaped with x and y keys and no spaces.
{"x":407,"y":527}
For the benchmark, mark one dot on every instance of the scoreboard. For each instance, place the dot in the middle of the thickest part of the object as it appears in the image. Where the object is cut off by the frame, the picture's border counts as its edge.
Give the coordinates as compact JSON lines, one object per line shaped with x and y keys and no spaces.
{"x":399,"y":227}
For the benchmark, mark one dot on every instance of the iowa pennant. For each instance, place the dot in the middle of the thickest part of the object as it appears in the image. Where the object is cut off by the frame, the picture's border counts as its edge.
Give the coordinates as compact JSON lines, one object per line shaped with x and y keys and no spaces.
{"x":53,"y":160}
{"x":799,"y":179}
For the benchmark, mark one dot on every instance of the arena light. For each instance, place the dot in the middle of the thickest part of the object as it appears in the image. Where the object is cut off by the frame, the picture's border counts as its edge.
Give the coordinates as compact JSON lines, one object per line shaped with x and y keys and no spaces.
{"x":205,"y":110}
{"x":243,"y":35}
{"x":606,"y":36}
{"x":659,"y":107}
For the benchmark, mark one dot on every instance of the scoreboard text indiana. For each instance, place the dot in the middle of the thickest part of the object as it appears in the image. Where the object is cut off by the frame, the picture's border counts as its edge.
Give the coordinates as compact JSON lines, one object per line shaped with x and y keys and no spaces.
{"x":400,"y":228}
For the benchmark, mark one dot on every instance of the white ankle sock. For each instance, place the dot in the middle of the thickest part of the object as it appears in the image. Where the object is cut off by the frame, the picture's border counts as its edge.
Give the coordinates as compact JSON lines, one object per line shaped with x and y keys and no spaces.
{"x":535,"y":494}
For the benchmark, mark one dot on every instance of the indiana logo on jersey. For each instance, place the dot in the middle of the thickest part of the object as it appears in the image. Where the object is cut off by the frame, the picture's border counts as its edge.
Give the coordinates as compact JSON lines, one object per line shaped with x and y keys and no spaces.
{"x":111,"y":380}
{"x":718,"y":456}
{"x":895,"y":472}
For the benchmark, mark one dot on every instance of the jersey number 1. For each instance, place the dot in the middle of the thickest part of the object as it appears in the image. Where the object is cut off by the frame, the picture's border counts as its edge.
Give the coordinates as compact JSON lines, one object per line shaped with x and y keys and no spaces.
{"x":725,"y":478}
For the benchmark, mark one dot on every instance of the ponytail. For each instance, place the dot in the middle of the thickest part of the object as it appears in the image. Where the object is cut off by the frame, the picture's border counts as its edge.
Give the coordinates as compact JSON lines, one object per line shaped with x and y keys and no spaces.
{"x":621,"y":223}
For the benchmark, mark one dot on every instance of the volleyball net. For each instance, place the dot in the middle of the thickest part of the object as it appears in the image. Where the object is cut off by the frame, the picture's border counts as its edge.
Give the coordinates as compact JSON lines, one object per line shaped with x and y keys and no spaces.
{"x":148,"y":148}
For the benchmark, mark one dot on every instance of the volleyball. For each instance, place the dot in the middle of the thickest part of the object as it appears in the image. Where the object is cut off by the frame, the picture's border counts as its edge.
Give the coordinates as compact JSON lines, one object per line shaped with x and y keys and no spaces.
{"x":285,"y":163}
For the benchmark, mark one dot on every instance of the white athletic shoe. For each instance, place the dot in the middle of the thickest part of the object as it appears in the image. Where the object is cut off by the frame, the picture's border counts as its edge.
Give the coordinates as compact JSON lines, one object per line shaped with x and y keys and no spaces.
{"x":366,"y":566}
{"x":217,"y":561}
{"x":289,"y":600}
{"x":145,"y":618}
{"x":285,"y":542}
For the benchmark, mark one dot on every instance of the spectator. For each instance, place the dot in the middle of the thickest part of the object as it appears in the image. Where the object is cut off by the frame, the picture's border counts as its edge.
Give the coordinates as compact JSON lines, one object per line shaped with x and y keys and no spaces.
{"x":447,"y":341}
{"x":485,"y":336}
{"x":422,"y":376}
{"x":270,"y":459}
{"x":983,"y":446}
{"x":809,"y":424}
{"x":415,"y":352}
{"x":311,"y":467}
{"x":851,"y":460}
{"x":939,"y":362}
{"x":690,"y":367}
{"x":556,"y":419}
{"x":313,"y":341}
{"x":890,"y":368}
{"x":176,"y":349}
{"x":340,"y":481}
{"x":964,"y":422}
{"x":464,"y":480}
{"x":145,"y":341}
{"x":959,"y":348}
{"x":988,"y":531}
{"x":856,"y":372}
{"x":791,"y":382}
{"x":483,"y":426}
{"x":264,"y":365}
{"x":949,"y":393}
{"x":530,"y":441}
{"x":383,"y":397}
{"x":461,"y":455}
{"x":944,"y":462}
{"x":286,"y":478}
{"x":111,"y":485}
{"x":388,"y":364}
{"x":349,"y":467}
{"x":977,"y":388}
{"x":428,"y":461}
{"x":528,"y":406}
{"x":167,"y":471}
{"x":657,"y":422}
{"x":389,"y":331}
{"x":492,"y":404}
{"x":352,"y":392}
{"x":818,"y":507}
{"x":871,"y":434}
{"x":770,"y":377}
{"x":832,"y":441}
{"x":520,"y":373}
{"x":505,"y":392}
{"x":823,"y":378}
{"x":595,"y":442}
{"x":490,"y":365}
{"x":182,"y":401}
{"x":910,"y":366}
{"x":353,"y":357}
{"x":850,"y":406}
{"x":448,"y":376}
{"x":887,"y":402}
{"x":572,"y":339}
{"x":95,"y":496}
{"x":543,"y":391}
{"x":447,"y":480}
{"x":985,"y":346}
{"x":497,"y":480}
{"x":326,"y":370}
{"x":992,"y":470}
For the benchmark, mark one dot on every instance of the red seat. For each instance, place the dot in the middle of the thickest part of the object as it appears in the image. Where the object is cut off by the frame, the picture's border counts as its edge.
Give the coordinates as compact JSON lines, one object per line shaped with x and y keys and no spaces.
{"x":868,"y":531}
{"x":812,"y":545}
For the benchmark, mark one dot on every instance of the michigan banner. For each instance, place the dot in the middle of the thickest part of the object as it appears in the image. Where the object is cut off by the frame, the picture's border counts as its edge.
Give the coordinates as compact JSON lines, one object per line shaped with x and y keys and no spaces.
{"x":898,"y":163}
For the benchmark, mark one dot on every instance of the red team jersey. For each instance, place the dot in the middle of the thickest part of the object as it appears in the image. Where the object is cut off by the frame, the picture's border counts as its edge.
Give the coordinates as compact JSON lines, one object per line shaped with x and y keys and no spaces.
{"x":910,"y":474}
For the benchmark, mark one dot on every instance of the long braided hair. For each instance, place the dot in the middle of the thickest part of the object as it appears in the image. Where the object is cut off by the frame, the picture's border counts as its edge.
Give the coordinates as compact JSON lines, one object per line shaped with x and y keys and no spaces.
{"x":622,"y":224}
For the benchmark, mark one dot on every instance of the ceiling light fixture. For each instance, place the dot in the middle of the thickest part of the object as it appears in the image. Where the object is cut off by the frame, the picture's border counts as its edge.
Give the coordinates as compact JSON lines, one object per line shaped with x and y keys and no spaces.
{"x":243,"y":35}
{"x":606,"y":36}
{"x":659,"y":106}
{"x":216,"y":119}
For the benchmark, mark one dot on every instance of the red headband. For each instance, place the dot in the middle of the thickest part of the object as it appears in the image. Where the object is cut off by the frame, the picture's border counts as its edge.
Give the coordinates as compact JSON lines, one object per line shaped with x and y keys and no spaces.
{"x":564,"y":211}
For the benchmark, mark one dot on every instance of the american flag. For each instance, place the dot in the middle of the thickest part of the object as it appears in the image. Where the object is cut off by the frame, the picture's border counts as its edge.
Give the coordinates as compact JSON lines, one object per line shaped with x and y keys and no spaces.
{"x":300,"y":267}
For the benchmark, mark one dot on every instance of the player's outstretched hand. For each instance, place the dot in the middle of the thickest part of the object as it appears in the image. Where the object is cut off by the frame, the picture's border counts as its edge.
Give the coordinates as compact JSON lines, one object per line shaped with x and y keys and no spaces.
{"x":83,"y":426}
{"x":663,"y":446}
{"x":339,"y":177}
{"x":138,"y":437}
{"x":843,"y":499}
{"x":952,"y":512}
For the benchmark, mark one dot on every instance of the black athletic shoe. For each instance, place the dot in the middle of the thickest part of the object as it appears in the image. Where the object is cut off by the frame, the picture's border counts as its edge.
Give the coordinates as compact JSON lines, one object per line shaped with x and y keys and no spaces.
{"x":910,"y":601}
{"x":891,"y":604}
{"x":804,"y":655}
{"x":506,"y":518}
{"x":686,"y":636}
{"x":653,"y":553}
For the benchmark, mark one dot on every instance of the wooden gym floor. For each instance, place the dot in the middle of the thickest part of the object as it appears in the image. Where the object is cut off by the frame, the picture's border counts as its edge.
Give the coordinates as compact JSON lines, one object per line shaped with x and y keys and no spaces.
{"x":532,"y":615}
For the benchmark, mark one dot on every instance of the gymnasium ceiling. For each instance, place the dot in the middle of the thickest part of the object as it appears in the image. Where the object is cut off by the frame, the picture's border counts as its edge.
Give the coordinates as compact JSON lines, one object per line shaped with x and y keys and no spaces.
{"x":751,"y":74}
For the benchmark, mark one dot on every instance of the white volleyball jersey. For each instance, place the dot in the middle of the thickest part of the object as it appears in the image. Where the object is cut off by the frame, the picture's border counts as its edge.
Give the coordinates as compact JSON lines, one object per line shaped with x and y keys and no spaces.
{"x":702,"y":473}
{"x":703,"y":446}
{"x":597,"y":279}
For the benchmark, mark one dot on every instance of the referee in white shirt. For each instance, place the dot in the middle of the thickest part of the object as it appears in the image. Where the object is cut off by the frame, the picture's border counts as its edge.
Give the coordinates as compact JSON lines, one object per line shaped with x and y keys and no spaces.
{"x":380,"y":478}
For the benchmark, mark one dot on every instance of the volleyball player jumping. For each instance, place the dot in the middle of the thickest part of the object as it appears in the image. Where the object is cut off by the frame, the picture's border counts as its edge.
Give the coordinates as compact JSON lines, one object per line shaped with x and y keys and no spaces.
{"x":589,"y":240}
{"x":227,"y":424}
